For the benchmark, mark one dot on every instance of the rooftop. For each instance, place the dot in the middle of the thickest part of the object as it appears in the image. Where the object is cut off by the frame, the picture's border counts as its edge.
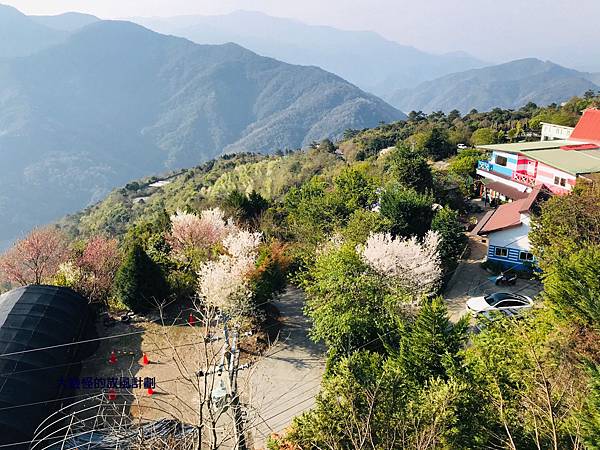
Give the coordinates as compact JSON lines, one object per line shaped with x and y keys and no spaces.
{"x":573,"y":162}
{"x":588,"y":127}
{"x":507,"y":215}
{"x":519,"y":147}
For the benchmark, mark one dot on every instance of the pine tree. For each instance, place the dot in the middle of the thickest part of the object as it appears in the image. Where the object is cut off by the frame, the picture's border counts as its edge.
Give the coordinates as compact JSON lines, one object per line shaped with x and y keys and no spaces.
{"x":139,"y":280}
{"x":432,"y":343}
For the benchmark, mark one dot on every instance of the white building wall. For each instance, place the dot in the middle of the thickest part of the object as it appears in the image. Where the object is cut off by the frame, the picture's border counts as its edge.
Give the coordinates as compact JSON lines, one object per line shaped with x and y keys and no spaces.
{"x":551,"y":131}
{"x":515,"y":237}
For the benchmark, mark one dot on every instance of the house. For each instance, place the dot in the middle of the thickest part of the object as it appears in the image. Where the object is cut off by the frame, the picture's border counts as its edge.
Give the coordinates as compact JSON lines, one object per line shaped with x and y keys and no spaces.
{"x":552,"y":131}
{"x":513,"y":170}
{"x":507,"y":229}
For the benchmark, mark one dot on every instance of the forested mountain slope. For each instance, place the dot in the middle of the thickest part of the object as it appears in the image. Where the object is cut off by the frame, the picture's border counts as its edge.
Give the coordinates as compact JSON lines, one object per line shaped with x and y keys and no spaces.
{"x":116,"y":101}
{"x":509,"y":85}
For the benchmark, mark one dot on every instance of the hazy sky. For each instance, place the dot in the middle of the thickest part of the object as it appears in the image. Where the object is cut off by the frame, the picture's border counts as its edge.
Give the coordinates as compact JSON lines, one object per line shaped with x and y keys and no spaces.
{"x":495,"y":30}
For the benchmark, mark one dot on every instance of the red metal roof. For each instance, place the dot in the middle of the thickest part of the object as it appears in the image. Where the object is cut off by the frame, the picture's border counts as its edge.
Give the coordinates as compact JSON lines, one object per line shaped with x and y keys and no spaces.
{"x":508,"y":215}
{"x":579,"y":147}
{"x":588,"y":127}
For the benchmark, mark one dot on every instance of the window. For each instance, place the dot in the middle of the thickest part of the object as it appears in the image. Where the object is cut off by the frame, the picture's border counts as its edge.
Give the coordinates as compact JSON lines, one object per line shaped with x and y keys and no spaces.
{"x":525,"y":256}
{"x":509,"y":304}
{"x":501,"y":160}
{"x":560,"y":181}
{"x":501,"y":251}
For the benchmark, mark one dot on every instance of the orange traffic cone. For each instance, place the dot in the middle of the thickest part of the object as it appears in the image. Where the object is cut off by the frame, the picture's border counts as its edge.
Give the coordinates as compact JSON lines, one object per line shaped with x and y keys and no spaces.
{"x":112,"y":395}
{"x":191,"y":319}
{"x":145,"y":360}
{"x":113,"y":358}
{"x":150,"y":391}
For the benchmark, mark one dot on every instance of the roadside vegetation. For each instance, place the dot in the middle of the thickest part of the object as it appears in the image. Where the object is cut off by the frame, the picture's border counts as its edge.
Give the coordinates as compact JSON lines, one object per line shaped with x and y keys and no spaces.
{"x":372,"y":237}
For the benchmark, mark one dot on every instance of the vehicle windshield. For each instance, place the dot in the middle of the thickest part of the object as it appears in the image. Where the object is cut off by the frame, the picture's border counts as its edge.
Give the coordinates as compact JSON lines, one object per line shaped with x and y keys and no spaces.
{"x":493,"y":299}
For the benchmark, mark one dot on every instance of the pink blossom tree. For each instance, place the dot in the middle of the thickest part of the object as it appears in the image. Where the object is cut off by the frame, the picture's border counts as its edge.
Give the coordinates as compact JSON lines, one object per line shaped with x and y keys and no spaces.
{"x":415,"y":265}
{"x":190,"y":233}
{"x":35,"y":258}
{"x":99,"y":263}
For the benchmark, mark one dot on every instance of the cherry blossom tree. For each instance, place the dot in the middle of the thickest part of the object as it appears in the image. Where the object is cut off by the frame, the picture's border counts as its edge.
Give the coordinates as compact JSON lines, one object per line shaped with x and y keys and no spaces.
{"x":99,"y":263}
{"x":35,"y":258}
{"x":190,"y":230}
{"x":224,"y":283}
{"x":412,"y":263}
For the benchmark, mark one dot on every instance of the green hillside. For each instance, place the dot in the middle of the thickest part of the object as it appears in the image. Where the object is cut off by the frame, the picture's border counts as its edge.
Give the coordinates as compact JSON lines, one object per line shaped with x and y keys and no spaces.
{"x":208,"y":184}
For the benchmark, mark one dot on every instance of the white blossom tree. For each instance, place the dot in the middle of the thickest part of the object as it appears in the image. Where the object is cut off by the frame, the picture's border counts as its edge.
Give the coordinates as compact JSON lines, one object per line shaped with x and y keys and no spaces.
{"x":415,"y":265}
{"x":223,"y":283}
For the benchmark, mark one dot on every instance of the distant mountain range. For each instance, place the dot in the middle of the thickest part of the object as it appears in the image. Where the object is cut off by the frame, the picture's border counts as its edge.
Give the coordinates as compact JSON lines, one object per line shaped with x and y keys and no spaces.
{"x":22,"y":35}
{"x":509,"y":85}
{"x":364,"y":58}
{"x":114,"y":101}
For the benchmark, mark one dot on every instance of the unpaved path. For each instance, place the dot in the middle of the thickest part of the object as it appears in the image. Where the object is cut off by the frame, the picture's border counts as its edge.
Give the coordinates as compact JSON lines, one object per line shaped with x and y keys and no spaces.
{"x":285,"y":381}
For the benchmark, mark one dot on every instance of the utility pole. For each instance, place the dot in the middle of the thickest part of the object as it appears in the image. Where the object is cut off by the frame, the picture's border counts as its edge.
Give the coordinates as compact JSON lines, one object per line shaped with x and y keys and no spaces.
{"x":234,"y":361}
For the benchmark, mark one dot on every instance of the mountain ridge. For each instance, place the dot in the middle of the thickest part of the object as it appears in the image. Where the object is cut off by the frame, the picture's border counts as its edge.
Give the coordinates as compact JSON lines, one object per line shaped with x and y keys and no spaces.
{"x":116,"y":101}
{"x":344,"y":52}
{"x":508,"y":85}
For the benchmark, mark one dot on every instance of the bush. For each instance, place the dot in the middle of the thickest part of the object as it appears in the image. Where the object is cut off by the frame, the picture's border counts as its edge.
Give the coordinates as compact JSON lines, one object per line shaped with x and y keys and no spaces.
{"x":270,"y":276}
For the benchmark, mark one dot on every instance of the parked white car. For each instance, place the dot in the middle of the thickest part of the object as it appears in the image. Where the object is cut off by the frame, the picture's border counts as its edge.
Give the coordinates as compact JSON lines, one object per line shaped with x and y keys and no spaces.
{"x":504,"y":302}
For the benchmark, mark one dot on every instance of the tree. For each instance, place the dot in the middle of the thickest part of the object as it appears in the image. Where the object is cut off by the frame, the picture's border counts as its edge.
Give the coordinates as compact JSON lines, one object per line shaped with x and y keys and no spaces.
{"x":529,"y":377}
{"x":354,"y":189}
{"x":327,"y":146}
{"x":460,"y":134}
{"x":139,"y":282}
{"x":224,"y":284}
{"x":437,"y":145}
{"x":35,"y":258}
{"x":409,"y":212}
{"x":345,"y":303}
{"x":361,"y":224}
{"x":191,"y":237}
{"x":453,"y":115}
{"x":484,"y":136}
{"x":431,"y":344}
{"x":591,"y":414}
{"x":246,"y":207}
{"x":99,"y":263}
{"x":370,"y":400}
{"x":412,"y":265}
{"x":453,"y":240}
{"x":465,"y":163}
{"x":565,"y":224}
{"x":573,"y":286}
{"x":411,"y":169}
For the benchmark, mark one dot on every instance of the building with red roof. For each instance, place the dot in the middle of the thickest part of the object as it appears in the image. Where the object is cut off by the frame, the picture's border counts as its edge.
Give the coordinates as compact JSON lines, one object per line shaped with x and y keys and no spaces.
{"x":588,"y":128}
{"x":515,"y":169}
{"x":507,"y":229}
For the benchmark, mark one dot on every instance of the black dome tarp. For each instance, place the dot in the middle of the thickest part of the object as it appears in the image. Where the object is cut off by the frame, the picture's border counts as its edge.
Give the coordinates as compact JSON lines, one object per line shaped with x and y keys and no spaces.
{"x":34,"y":317}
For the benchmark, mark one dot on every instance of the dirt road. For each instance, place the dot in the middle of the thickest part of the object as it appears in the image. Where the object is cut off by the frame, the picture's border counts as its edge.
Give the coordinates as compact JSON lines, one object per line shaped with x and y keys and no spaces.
{"x":285,"y":382}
